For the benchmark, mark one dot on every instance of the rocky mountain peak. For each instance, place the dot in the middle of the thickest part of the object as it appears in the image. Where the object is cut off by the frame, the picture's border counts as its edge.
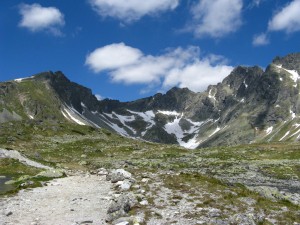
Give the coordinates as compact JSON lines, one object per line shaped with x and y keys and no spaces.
{"x":51,"y":76}
{"x":290,"y":62}
{"x":242,"y":75}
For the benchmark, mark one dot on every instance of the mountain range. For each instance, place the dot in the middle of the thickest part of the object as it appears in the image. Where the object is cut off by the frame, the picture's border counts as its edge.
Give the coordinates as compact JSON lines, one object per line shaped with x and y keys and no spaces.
{"x":250,"y":105}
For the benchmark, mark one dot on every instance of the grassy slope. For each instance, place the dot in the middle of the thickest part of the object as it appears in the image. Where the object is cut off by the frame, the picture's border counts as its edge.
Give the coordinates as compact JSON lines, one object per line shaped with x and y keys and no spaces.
{"x":31,"y":97}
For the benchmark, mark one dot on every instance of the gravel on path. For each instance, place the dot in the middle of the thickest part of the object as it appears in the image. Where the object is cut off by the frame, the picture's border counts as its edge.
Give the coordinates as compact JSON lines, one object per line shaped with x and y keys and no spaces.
{"x":80,"y":199}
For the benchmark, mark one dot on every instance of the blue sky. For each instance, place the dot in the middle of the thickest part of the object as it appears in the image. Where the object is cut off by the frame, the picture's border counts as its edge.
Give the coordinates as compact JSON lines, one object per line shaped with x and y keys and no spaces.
{"x":129,"y":49}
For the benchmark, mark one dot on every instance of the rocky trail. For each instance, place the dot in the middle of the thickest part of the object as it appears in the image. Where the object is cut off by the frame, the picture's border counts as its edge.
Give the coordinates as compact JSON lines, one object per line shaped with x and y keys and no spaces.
{"x":79,"y":199}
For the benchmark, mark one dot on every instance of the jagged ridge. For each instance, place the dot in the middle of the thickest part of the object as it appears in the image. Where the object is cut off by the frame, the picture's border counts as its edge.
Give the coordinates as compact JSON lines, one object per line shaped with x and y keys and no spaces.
{"x":247,"y":106}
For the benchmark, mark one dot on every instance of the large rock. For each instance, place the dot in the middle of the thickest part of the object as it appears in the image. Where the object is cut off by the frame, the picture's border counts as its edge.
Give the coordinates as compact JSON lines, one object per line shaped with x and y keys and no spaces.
{"x":126,"y":185}
{"x":121,"y":206}
{"x":118,"y":175}
{"x":245,"y":219}
{"x":51,"y":173}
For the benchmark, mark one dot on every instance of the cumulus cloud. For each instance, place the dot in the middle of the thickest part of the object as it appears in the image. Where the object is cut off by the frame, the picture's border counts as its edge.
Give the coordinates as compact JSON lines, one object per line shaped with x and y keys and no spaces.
{"x":38,"y":18}
{"x":260,"y":39}
{"x":131,"y":10}
{"x":112,"y":57}
{"x":181,"y":67}
{"x":287,"y":19}
{"x":216,"y":18}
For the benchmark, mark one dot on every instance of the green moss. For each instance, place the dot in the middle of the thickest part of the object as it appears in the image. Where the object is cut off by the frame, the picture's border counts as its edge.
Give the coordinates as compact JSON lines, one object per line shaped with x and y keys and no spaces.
{"x":15,"y":169}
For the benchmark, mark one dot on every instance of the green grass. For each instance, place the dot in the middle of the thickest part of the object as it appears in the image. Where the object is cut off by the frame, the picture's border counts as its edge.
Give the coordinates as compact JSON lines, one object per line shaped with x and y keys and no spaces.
{"x":219,"y":195}
{"x":15,"y":169}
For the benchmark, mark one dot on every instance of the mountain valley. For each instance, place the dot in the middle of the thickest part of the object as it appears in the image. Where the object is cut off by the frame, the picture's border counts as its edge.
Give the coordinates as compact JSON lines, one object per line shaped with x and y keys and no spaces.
{"x":228,"y":155}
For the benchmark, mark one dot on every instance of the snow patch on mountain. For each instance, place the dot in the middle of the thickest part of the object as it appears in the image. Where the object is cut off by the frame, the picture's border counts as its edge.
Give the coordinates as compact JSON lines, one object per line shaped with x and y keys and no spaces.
{"x":246,"y":85}
{"x":296,"y":125}
{"x":195,"y":126}
{"x":293,"y":74}
{"x":295,"y":133}
{"x":286,"y":134}
{"x":212,"y":96}
{"x":293,"y":115}
{"x":215,"y":131}
{"x":169,"y":113}
{"x":71,"y":115}
{"x":269,"y":130}
{"x":19,"y":80}
{"x":109,"y":115}
{"x":175,"y":128}
{"x":148,"y":117}
{"x":118,"y":129}
{"x":191,"y":144}
{"x":124,"y":119}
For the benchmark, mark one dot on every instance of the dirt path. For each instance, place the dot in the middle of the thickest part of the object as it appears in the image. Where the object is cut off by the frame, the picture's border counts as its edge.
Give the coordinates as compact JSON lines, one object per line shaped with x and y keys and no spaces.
{"x":81,"y":199}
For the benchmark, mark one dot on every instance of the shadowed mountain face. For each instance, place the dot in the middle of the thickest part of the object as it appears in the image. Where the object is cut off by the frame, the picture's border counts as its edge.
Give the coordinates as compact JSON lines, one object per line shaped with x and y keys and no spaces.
{"x":250,"y":105}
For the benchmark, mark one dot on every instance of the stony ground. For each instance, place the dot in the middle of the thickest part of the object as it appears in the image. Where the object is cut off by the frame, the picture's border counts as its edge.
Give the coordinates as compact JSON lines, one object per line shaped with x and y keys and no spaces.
{"x":190,"y":198}
{"x":80,"y":199}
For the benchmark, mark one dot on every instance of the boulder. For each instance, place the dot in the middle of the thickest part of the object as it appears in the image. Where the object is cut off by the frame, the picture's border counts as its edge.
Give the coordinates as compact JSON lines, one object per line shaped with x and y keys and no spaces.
{"x":102,"y":172}
{"x":118,"y":175}
{"x":144,"y":202}
{"x":121,"y":206}
{"x":51,"y":173}
{"x":125,"y":186}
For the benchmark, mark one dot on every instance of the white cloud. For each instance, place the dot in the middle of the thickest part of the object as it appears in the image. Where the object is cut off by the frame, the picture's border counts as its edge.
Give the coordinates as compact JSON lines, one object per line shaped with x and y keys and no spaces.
{"x":175,"y":67}
{"x":287,"y":19}
{"x":216,"y":18}
{"x":260,"y":39}
{"x":112,"y":57}
{"x":197,"y":76}
{"x":131,"y":10}
{"x":38,"y":18}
